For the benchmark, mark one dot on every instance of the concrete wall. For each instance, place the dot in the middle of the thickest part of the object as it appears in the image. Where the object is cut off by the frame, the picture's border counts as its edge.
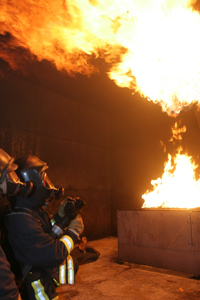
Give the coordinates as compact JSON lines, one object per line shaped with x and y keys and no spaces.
{"x":73,"y":138}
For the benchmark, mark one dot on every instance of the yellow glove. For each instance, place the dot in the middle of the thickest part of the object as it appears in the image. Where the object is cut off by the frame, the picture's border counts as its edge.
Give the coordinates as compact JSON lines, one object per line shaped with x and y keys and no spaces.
{"x":61,"y":211}
{"x":76,"y":225}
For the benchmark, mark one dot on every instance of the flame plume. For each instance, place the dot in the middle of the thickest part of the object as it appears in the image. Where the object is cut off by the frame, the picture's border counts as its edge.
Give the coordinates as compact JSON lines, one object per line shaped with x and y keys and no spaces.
{"x":178,"y":186}
{"x":156,"y":42}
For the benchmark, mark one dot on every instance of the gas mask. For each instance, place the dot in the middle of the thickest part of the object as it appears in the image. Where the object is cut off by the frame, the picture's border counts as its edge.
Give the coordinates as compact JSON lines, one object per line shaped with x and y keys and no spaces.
{"x":51,"y":190}
{"x":10,"y":183}
{"x":31,"y":168}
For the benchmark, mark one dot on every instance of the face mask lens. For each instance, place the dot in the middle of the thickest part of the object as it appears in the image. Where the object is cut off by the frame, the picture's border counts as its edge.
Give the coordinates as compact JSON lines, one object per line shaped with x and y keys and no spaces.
{"x":46,"y":181}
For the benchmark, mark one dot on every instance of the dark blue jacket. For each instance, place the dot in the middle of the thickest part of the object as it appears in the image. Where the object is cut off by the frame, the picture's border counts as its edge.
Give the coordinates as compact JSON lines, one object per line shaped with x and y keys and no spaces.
{"x":8,"y":288}
{"x":30,"y":239}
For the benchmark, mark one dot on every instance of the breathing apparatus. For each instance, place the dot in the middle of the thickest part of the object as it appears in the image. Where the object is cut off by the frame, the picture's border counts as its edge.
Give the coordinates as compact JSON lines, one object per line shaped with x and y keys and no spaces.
{"x":31,"y":168}
{"x":10,"y":183}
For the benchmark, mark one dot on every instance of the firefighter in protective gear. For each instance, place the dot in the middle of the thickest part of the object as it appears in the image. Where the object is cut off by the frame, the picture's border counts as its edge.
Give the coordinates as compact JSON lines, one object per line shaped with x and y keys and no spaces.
{"x":29,"y":227}
{"x":9,"y":185}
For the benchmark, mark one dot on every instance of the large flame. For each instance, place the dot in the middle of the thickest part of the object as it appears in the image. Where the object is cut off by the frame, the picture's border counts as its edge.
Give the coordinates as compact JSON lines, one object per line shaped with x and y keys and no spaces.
{"x":156,"y":42}
{"x":178,"y":186}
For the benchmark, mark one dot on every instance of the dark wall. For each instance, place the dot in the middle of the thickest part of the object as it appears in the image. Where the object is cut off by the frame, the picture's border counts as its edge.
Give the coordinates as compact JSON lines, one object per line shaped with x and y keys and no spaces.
{"x":100,"y":142}
{"x":72,"y":137}
{"x":137,"y":156}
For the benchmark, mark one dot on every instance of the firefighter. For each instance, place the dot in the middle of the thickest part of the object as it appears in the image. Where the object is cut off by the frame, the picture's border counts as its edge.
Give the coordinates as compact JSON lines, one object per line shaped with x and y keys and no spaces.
{"x":45,"y":261}
{"x":9,"y":185}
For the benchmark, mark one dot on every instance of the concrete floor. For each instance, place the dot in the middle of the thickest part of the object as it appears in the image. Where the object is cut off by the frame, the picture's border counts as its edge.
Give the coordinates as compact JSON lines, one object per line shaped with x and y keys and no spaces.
{"x":108,"y":279}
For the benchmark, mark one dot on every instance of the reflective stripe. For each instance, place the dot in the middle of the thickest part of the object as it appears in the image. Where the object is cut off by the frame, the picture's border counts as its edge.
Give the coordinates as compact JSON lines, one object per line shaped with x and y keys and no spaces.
{"x":69,"y":265}
{"x":56,"y":282}
{"x":62,"y":273}
{"x":39,"y":290}
{"x":52,"y":222}
{"x":70,"y":269}
{"x":69,"y":244}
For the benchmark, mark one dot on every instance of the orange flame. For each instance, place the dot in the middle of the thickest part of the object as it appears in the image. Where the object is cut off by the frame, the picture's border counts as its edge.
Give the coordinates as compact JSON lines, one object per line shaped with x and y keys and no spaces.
{"x":156,"y":42}
{"x":178,"y":186}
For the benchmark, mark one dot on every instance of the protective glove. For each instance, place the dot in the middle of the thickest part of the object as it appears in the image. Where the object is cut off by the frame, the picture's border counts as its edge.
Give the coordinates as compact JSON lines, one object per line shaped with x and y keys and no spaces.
{"x":76,"y":225}
{"x":61,"y":211}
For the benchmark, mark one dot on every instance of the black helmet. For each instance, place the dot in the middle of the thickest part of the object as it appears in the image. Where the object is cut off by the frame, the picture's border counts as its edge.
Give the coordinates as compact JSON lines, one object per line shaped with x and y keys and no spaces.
{"x":31,"y":168}
{"x":10,"y":183}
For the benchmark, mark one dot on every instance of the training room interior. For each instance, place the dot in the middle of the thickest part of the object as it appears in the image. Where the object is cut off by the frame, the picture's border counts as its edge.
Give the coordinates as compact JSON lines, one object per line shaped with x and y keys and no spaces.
{"x":104,"y":144}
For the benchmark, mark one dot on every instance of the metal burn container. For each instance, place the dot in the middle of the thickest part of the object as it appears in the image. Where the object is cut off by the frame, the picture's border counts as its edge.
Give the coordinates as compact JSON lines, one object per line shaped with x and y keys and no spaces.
{"x":167,"y":238}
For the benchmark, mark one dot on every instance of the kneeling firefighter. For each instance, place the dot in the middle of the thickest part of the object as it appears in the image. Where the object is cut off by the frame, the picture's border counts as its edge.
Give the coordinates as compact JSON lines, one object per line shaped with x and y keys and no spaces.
{"x":9,"y":185}
{"x":45,"y":260}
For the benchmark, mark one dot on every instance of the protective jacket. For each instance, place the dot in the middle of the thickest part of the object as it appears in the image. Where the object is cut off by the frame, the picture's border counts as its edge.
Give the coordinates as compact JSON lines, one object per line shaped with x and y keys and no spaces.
{"x":8,"y":287}
{"x":28,"y":231}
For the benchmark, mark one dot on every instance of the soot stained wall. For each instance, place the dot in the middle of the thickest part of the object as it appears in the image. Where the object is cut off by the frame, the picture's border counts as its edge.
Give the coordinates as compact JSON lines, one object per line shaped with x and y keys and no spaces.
{"x":71,"y":137}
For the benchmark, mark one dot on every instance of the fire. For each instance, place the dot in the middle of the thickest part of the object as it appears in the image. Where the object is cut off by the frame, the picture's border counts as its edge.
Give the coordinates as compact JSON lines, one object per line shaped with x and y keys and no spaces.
{"x":178,"y":186}
{"x":152,"y":46}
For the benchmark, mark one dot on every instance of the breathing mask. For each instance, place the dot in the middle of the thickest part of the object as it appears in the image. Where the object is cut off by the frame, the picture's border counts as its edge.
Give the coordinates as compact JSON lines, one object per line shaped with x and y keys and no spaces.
{"x":10,"y":183}
{"x":31,"y":168}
